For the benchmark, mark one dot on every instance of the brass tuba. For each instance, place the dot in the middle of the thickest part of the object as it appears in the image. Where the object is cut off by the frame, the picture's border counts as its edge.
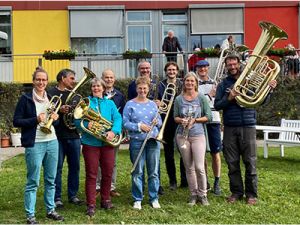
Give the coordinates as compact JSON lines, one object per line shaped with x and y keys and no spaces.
{"x":252,"y":85}
{"x":72,"y":101}
{"x":100,"y":125}
{"x":54,"y":105}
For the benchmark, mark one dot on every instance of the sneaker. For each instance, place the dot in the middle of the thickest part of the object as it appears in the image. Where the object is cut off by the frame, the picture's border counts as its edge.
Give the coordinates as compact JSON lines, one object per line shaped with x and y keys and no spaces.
{"x":203,"y":200}
{"x":161,"y":190}
{"x":155,"y":204}
{"x":173,"y":187}
{"x":217,"y":190}
{"x":137,"y":205}
{"x":192,"y":200}
{"x":251,"y":201}
{"x":91,"y":210}
{"x":114,"y":193}
{"x":59,"y":204}
{"x":107,"y":204}
{"x":31,"y":220}
{"x":233,"y":198}
{"x":53,"y":215}
{"x":76,"y":201}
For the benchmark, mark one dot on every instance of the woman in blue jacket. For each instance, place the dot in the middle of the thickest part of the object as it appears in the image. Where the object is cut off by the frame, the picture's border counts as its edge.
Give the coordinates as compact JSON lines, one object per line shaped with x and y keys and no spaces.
{"x":40,"y":148}
{"x":95,"y":150}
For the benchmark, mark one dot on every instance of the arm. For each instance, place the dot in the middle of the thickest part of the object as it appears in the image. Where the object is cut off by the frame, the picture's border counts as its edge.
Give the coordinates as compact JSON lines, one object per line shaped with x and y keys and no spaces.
{"x":221,"y":100}
{"x":206,"y":111}
{"x":178,"y":44}
{"x":116,"y":119}
{"x":130,"y":126}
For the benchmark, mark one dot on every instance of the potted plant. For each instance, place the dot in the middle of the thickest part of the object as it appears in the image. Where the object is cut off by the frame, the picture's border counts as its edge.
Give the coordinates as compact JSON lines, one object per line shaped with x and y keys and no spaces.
{"x":59,"y":54}
{"x":15,"y":134}
{"x":141,"y":54}
{"x":4,"y":132}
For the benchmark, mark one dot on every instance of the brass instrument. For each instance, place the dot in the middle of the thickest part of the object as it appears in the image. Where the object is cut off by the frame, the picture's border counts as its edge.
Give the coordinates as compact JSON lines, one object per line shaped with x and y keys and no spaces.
{"x":54,"y":105}
{"x":190,"y":115}
{"x":100,"y":125}
{"x":164,"y":108}
{"x":71,"y":99}
{"x":220,"y":72}
{"x":253,"y":83}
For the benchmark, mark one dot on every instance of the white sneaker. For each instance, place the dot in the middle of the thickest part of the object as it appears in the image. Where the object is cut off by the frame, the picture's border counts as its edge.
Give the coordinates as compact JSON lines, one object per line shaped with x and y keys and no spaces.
{"x":155,"y":204}
{"x":137,"y":205}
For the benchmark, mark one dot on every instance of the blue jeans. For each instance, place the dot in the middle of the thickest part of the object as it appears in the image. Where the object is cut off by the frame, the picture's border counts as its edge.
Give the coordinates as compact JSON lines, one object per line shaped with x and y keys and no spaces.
{"x":71,"y":149}
{"x":151,"y":155}
{"x":41,"y":154}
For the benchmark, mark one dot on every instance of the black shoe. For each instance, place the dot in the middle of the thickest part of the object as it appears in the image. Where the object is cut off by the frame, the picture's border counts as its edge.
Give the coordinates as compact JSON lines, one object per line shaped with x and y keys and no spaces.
{"x":161,"y":190}
{"x":107,"y":204}
{"x":76,"y":201}
{"x":58,"y":203}
{"x":31,"y":220}
{"x":173,"y":187}
{"x":183,"y":185}
{"x":53,"y":215}
{"x":217,"y":190}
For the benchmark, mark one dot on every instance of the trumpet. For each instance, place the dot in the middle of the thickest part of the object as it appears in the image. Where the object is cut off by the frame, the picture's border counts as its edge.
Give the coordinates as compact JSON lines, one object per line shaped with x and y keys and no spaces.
{"x":190,"y":115}
{"x":54,"y":106}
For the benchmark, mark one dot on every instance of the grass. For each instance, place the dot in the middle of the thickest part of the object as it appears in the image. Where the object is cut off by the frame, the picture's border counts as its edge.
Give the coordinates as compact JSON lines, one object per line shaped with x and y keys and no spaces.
{"x":279,"y":200}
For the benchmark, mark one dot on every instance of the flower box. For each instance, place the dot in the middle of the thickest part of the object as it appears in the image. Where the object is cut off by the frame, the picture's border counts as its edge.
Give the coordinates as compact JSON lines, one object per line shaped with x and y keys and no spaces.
{"x":59,"y":55}
{"x":142,"y":54}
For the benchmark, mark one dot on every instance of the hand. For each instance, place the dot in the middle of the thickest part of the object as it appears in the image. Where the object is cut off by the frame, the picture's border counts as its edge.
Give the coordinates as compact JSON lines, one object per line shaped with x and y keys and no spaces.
{"x":110,"y":135}
{"x":54,"y":116}
{"x":90,"y":125}
{"x":157,"y":102}
{"x":273,"y":84}
{"x":145,"y":127}
{"x":212,"y":92}
{"x":184,"y":122}
{"x":232,"y":94}
{"x":64,"y":109}
{"x":191,"y":122}
{"x":41,"y":117}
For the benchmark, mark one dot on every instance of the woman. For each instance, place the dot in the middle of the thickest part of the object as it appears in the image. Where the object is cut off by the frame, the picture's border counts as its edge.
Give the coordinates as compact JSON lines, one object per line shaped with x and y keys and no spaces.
{"x":138,"y":116}
{"x":40,"y":148}
{"x":95,"y":150}
{"x":171,"y":69}
{"x":191,"y":111}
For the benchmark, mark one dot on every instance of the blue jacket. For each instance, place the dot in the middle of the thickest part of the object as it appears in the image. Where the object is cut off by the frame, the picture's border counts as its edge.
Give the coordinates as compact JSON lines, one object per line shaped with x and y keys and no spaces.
{"x":119,"y":100}
{"x":25,"y":117}
{"x":233,"y":114}
{"x":108,"y":111}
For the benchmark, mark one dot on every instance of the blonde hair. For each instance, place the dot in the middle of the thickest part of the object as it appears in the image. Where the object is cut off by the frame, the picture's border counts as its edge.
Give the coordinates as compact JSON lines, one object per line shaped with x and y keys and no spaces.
{"x":190,"y":74}
{"x":142,"y":80}
{"x":38,"y":70}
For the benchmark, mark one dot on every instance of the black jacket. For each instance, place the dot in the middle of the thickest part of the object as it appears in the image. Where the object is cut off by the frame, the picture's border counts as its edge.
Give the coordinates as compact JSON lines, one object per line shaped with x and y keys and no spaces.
{"x":171,"y":45}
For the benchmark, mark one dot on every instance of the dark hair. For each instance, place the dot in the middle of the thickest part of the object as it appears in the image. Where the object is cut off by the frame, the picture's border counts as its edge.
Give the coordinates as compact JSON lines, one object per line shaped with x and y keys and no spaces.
{"x":169,"y":64}
{"x":37,"y":70}
{"x":63,"y":73}
{"x":232,"y":56}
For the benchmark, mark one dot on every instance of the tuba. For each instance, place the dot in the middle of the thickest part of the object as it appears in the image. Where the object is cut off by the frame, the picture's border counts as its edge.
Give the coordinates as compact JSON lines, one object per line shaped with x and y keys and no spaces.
{"x":72,"y":101}
{"x":54,"y":105}
{"x":100,"y":125}
{"x":252,"y":85}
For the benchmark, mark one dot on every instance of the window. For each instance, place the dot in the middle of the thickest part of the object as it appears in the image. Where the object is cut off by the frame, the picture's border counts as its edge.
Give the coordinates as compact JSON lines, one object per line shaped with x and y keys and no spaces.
{"x":211,"y":40}
{"x":174,"y":16}
{"x":5,"y":26}
{"x":138,"y":16}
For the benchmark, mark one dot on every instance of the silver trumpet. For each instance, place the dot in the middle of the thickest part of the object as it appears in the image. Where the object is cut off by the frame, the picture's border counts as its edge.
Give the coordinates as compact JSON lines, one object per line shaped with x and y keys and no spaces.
{"x":185,"y":133}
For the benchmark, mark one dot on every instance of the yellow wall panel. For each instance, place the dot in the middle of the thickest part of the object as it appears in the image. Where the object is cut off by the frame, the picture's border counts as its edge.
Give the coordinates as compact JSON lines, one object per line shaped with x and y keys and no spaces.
{"x":35,"y":31}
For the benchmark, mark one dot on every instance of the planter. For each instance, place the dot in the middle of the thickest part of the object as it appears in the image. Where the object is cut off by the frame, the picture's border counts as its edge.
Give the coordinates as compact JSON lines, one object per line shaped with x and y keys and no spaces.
{"x":5,"y":142}
{"x":58,"y":57}
{"x":137,"y":56}
{"x":16,"y":139}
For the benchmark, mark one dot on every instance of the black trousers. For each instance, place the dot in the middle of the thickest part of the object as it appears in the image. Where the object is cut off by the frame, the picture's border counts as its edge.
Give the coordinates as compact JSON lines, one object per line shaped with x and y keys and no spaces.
{"x":240,"y":142}
{"x":171,"y":58}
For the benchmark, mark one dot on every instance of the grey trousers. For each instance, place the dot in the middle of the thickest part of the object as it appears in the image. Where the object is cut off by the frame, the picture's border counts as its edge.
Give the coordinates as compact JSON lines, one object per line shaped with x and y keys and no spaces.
{"x":240,"y":142}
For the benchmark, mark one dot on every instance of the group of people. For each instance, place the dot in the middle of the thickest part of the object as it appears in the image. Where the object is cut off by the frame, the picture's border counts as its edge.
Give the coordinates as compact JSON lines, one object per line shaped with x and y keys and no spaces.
{"x":193,"y":126}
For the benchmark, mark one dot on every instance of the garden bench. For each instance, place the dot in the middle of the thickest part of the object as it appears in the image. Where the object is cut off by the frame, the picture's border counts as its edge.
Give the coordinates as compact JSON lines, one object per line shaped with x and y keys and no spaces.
{"x":289,"y":134}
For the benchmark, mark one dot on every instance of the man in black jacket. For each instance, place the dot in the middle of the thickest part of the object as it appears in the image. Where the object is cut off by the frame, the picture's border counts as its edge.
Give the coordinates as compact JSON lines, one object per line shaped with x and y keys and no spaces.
{"x":171,"y":44}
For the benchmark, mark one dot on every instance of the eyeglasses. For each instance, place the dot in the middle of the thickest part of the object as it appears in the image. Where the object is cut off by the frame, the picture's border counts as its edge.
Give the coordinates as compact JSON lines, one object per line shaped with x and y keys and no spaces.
{"x":41,"y":80}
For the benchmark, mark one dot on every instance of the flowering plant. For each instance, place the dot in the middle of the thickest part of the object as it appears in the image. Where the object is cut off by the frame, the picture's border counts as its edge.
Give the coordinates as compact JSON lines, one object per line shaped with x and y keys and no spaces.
{"x":59,"y":54}
{"x":142,"y":53}
{"x":281,"y":52}
{"x":208,"y":52}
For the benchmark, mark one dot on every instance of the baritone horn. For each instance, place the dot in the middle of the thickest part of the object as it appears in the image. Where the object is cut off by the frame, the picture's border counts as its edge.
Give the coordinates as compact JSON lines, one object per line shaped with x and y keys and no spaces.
{"x":54,"y":106}
{"x":253,"y":83}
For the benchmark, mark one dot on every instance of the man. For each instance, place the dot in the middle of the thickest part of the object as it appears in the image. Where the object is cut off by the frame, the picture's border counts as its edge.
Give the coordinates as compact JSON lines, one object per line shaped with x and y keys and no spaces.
{"x":171,"y":44}
{"x":208,"y":87}
{"x":171,"y":69}
{"x":119,"y":99}
{"x":228,"y":43}
{"x":69,"y":141}
{"x":239,"y":135}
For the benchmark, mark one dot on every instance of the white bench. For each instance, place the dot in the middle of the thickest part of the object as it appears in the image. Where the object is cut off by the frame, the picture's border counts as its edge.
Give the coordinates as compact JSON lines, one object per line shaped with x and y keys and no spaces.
{"x":289,"y":134}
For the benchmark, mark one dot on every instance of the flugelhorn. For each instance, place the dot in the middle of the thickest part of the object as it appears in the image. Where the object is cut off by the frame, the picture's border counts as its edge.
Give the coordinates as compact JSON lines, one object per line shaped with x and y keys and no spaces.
{"x":71,"y":100}
{"x":253,"y":83}
{"x":54,"y":105}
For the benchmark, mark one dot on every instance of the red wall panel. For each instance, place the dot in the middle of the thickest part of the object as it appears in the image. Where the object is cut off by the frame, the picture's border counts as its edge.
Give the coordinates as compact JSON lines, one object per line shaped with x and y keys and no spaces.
{"x":284,"y":17}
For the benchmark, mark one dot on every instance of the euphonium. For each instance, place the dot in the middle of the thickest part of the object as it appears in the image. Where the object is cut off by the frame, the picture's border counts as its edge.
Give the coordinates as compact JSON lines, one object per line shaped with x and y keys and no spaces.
{"x":253,"y":83}
{"x":54,"y":105}
{"x":72,"y":102}
{"x":100,"y":125}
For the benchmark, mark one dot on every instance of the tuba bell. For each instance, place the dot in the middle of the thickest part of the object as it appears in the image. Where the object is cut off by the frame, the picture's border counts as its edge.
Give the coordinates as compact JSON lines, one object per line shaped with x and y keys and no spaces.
{"x":253,"y":83}
{"x":100,"y":125}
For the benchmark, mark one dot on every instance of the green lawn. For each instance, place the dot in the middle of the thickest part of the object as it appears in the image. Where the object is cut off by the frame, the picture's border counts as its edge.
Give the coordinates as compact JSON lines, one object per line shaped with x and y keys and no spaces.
{"x":279,"y":197}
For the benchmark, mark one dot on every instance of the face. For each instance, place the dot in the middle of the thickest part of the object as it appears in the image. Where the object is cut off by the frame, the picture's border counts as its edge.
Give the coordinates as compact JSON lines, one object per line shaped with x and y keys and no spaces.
{"x":190,"y":83}
{"x":233,"y":66}
{"x":145,"y":69}
{"x":109,"y":78}
{"x":170,"y":34}
{"x":142,"y":90}
{"x":172,"y":71}
{"x":69,"y":81}
{"x":97,"y":89}
{"x":202,"y":71}
{"x":40,"y":82}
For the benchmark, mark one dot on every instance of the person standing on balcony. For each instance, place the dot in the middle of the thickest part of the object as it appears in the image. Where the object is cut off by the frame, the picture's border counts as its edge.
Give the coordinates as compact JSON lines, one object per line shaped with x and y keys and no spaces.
{"x":69,"y":142}
{"x":119,"y":99}
{"x":228,"y":43}
{"x":41,"y":149}
{"x":171,"y":44}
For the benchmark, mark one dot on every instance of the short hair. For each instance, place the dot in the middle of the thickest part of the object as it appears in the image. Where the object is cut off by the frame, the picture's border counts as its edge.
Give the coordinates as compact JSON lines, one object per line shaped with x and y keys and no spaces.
{"x":171,"y":64}
{"x":142,"y":62}
{"x":232,"y":56}
{"x":142,"y":80}
{"x":104,"y":72}
{"x":64,"y":73}
{"x":37,"y":70}
{"x":190,"y":74}
{"x":98,"y":80}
